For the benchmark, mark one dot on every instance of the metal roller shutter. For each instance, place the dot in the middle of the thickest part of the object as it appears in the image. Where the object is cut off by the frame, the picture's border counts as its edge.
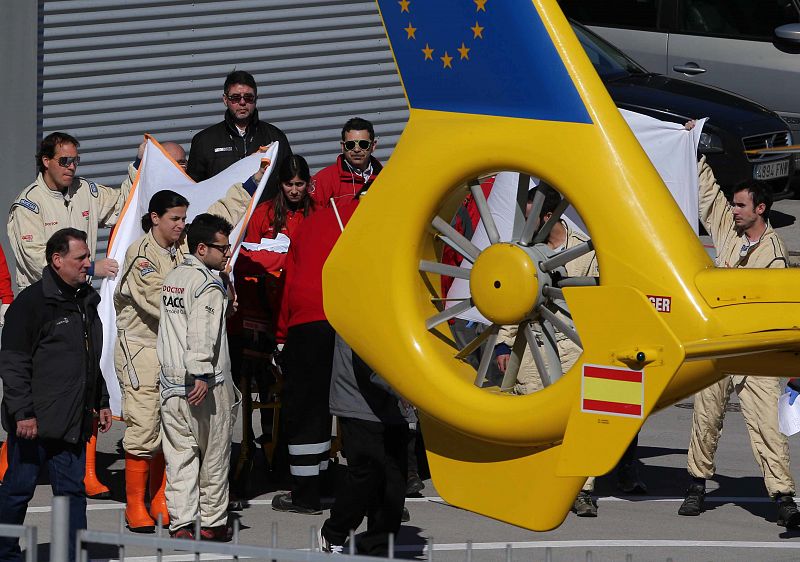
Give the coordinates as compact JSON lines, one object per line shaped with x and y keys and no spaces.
{"x":113,"y":70}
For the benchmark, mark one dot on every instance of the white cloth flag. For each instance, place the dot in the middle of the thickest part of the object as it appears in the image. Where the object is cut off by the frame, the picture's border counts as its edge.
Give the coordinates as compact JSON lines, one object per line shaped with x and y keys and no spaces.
{"x":156,"y":172}
{"x":672,"y":151}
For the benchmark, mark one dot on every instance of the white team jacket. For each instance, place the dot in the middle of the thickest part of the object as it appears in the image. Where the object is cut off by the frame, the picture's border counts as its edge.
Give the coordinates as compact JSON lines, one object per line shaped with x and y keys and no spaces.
{"x":192,"y":338}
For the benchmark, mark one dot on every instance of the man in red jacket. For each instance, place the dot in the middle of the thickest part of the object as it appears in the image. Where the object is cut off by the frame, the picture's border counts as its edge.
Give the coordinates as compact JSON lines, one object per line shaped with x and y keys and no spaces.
{"x":354,"y":167}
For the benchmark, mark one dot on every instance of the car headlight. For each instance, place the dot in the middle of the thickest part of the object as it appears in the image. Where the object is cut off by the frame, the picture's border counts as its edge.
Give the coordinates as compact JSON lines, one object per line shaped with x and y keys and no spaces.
{"x":710,"y":144}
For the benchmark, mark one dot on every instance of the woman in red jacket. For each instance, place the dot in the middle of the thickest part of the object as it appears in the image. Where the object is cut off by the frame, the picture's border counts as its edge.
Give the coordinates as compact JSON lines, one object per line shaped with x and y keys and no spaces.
{"x":258,"y":273}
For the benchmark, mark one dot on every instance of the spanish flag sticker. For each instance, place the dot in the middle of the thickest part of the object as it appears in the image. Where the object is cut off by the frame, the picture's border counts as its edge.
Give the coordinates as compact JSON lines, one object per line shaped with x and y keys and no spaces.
{"x":612,"y":390}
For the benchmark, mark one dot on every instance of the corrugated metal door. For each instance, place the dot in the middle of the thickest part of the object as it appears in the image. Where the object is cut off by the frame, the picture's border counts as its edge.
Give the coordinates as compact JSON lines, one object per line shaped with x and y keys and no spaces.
{"x":115,"y":69}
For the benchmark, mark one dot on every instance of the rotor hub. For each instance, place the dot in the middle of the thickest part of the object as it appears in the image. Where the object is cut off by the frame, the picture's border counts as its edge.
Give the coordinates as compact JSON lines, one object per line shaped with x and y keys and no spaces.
{"x":504,"y":283}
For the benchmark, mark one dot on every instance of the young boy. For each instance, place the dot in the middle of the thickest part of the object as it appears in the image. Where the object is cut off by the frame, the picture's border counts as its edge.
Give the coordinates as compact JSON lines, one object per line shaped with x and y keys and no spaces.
{"x":198,"y":397}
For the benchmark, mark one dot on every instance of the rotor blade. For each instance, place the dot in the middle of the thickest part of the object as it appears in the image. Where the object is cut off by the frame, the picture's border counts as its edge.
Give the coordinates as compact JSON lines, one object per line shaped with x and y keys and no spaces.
{"x":533,"y":219}
{"x":444,"y":269}
{"x":553,"y":293}
{"x":560,"y":325}
{"x":476,"y":342}
{"x":579,"y":282}
{"x":486,"y":214}
{"x":448,"y":313}
{"x":455,"y":239}
{"x":550,"y":347}
{"x":538,"y":357}
{"x":486,"y":359}
{"x":523,"y":183}
{"x":562,"y":307}
{"x":563,"y":258}
{"x":544,"y":232}
{"x":515,"y":361}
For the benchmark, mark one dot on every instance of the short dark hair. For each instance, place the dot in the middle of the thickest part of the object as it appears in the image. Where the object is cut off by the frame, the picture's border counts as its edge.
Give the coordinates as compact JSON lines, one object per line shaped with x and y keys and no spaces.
{"x":59,"y":242}
{"x":359,"y":124}
{"x":204,"y":230}
{"x":760,"y":192}
{"x":551,"y":199}
{"x":160,"y":203}
{"x":47,"y":148}
{"x":239,"y":77}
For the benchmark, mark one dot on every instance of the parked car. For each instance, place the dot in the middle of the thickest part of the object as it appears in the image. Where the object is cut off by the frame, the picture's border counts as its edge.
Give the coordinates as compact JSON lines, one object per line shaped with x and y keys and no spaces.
{"x":735,"y":124}
{"x":751,"y":47}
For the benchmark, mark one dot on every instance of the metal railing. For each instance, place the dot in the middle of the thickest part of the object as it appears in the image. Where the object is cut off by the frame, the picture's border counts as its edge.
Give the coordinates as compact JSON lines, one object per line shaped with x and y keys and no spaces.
{"x":27,"y":532}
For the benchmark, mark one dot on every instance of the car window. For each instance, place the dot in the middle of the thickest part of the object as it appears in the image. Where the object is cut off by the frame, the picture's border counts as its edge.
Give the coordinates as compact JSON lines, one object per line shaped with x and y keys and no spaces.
{"x":748,"y":19}
{"x":607,"y":60}
{"x":638,"y":14}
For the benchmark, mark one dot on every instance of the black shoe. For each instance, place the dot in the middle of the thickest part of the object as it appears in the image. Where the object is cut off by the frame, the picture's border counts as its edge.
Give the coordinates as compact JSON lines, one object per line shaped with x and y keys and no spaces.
{"x":414,"y":484}
{"x":283,"y":502}
{"x":693,"y":504}
{"x":788,"y":515}
{"x":406,"y":517}
{"x":584,"y":505}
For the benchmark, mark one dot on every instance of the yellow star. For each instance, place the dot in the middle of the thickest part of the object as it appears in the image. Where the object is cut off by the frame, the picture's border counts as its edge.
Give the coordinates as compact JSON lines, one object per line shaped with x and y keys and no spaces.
{"x":404,"y":5}
{"x":411,"y":31}
{"x":446,"y":60}
{"x":477,"y":31}
{"x":464,"y":50}
{"x":428,"y":52}
{"x":480,"y":5}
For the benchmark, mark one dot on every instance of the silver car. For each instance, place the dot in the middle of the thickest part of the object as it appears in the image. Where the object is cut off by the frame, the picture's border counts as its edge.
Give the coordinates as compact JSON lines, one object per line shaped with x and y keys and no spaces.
{"x":750,"y":47}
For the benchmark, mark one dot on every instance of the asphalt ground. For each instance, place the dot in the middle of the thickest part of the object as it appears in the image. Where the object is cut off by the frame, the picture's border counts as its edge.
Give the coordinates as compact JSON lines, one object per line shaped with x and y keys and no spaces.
{"x":738,"y":524}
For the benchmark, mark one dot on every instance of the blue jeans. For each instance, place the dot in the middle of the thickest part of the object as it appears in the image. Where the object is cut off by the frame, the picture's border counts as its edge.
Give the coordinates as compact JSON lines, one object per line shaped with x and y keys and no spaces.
{"x":66,"y":464}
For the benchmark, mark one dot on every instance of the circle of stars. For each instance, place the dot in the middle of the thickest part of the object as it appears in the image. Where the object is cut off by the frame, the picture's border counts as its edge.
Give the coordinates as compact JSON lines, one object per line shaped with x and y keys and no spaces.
{"x":446,"y":58}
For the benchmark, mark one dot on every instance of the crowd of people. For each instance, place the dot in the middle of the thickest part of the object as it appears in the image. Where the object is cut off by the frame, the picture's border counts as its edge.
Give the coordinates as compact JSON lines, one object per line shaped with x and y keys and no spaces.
{"x":187,"y":321}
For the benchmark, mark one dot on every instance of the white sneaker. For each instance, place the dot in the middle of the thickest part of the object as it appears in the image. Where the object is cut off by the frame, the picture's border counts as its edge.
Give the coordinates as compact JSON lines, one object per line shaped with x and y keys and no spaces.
{"x":326,"y":546}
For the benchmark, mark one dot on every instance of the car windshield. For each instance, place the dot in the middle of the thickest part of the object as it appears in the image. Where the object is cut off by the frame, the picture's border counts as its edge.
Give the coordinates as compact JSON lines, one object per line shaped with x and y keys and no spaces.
{"x":608,"y":61}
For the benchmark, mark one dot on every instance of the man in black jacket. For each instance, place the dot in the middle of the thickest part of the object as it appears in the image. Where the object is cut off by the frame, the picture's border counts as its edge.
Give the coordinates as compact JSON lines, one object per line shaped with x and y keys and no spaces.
{"x":240,"y":134}
{"x":52,"y":384}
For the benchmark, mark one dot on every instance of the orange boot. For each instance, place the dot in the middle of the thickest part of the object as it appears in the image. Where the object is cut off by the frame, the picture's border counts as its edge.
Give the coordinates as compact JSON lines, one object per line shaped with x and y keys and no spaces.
{"x":94,"y":488}
{"x":158,"y":482}
{"x":3,"y":459}
{"x":136,"y":471}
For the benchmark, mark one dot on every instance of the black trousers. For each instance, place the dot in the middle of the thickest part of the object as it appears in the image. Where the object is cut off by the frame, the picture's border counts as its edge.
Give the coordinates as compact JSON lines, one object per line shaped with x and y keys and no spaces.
{"x":374,"y":486}
{"x":308,"y":360}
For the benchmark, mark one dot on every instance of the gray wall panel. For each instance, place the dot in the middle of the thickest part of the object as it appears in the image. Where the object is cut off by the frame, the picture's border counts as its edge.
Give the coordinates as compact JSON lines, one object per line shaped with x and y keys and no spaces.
{"x":113,"y":70}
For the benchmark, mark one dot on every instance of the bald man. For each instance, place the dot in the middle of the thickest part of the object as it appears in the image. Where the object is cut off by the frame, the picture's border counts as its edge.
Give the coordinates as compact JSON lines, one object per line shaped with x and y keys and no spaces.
{"x":176,"y":152}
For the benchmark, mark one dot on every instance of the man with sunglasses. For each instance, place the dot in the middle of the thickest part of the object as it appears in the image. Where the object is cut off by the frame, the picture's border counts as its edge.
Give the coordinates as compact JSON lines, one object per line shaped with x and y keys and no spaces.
{"x":354,"y":167}
{"x":59,"y":198}
{"x":239,"y":134}
{"x":198,"y":396}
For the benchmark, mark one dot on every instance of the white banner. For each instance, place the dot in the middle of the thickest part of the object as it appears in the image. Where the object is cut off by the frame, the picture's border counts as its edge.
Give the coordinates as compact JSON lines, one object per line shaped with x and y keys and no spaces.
{"x":158,"y":171}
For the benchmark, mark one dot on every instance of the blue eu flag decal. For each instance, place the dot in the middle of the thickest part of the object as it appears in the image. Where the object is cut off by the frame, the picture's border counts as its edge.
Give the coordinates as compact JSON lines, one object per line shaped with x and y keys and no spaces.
{"x":487,"y":57}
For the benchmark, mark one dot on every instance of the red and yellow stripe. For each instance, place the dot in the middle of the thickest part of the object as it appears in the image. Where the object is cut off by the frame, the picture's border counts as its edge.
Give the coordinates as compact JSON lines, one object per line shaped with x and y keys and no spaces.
{"x":611,"y":390}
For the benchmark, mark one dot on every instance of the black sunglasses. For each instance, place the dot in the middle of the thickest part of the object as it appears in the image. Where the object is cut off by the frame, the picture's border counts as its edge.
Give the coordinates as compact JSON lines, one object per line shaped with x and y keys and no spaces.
{"x":236,"y":98}
{"x":362,"y":144}
{"x":222,"y":248}
{"x":67,"y":161}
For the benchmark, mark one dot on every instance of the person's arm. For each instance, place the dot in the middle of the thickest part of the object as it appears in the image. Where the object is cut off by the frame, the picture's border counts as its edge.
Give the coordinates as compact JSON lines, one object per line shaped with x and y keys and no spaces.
{"x":715,"y":211}
{"x":111,"y":201}
{"x":233,"y":206}
{"x":505,"y":341}
{"x":16,"y":369}
{"x":204,"y":318}
{"x":26,"y":234}
{"x":144,"y":280}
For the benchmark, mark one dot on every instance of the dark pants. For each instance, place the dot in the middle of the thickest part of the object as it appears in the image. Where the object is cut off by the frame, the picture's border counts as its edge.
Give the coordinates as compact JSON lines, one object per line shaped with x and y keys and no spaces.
{"x":66,"y":464}
{"x":374,"y":486}
{"x":308,"y":360}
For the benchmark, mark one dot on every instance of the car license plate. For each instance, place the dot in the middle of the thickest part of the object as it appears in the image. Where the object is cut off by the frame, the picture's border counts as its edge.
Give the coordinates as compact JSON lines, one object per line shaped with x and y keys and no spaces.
{"x":770,"y":170}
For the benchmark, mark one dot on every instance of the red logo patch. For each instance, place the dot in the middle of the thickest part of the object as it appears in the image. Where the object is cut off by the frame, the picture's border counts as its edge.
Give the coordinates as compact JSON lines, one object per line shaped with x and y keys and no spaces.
{"x":27,"y":237}
{"x":85,"y":214}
